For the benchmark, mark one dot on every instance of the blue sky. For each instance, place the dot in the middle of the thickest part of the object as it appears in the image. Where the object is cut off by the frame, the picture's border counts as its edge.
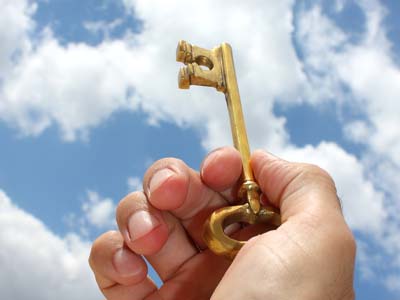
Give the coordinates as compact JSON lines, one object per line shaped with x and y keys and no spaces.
{"x":89,"y":99}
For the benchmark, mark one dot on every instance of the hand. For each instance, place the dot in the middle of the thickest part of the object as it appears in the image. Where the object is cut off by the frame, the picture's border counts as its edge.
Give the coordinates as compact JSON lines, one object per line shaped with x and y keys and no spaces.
{"x":310,"y":256}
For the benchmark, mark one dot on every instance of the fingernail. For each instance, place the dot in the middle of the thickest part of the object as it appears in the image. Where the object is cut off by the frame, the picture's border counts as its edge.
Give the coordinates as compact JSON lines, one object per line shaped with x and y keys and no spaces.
{"x":232,"y":228}
{"x":126,"y":263}
{"x":213,"y":155}
{"x":159,"y":177}
{"x":140,"y":224}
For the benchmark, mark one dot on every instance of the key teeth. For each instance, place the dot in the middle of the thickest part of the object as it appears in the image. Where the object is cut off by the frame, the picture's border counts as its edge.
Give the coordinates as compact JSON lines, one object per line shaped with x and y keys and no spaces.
{"x":184,"y":52}
{"x":194,"y":57}
{"x":184,"y":78}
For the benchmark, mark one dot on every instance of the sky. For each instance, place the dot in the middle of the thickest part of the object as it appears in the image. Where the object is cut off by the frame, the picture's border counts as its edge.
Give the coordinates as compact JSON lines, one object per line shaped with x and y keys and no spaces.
{"x":89,"y":99}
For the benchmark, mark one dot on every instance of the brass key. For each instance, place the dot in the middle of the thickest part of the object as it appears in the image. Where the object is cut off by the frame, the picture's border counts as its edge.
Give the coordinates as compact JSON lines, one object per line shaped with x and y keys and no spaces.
{"x":220,"y":73}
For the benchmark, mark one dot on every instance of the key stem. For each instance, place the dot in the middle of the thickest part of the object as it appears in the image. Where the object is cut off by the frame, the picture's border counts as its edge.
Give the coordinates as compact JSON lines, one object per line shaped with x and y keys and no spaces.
{"x":238,"y":127}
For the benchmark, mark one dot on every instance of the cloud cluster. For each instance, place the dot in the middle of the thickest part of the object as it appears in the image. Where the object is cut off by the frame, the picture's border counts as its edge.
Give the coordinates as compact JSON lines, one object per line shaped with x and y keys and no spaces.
{"x":77,"y":87}
{"x":39,"y":265}
{"x":365,"y":75}
{"x":15,"y":26}
{"x":354,"y":189}
{"x":97,"y":215}
{"x":98,"y":211}
{"x":134,"y":184}
{"x":366,"y":68}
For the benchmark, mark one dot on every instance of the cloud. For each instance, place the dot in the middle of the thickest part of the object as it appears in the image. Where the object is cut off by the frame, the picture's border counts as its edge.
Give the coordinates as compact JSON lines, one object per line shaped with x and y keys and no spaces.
{"x":374,"y":78}
{"x":38,"y":264}
{"x":357,"y":131}
{"x":134,"y":184}
{"x":97,"y":214}
{"x":362,"y":77}
{"x":76,"y":87}
{"x":98,"y":211}
{"x":366,"y":68}
{"x":355,"y":190}
{"x":393,"y":283}
{"x":15,"y":26}
{"x":101,"y":27}
{"x":273,"y":22}
{"x":339,"y":5}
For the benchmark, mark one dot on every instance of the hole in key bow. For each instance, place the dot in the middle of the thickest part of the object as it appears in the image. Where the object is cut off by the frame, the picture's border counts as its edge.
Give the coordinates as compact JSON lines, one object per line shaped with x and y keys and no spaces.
{"x":204,"y":61}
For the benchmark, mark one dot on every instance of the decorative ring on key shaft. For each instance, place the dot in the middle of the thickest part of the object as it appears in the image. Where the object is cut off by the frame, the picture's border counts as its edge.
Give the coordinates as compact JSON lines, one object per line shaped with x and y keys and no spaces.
{"x":221,"y":75}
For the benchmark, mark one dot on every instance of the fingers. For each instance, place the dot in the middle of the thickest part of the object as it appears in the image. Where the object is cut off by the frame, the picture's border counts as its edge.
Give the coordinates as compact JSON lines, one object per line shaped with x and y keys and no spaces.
{"x":120,"y":273}
{"x":143,"y":227}
{"x":294,"y":187}
{"x":171,"y":185}
{"x":157,"y":235}
{"x":221,"y":169}
{"x":313,"y":235}
{"x":313,"y":227}
{"x":306,"y":195}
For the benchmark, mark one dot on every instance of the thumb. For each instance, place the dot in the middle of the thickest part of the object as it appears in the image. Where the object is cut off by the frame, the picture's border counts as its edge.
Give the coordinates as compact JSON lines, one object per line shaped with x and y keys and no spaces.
{"x":294,"y":187}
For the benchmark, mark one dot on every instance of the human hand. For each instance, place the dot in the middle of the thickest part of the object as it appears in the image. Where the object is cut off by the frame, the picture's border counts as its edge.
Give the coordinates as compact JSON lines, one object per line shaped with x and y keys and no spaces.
{"x":310,"y":256}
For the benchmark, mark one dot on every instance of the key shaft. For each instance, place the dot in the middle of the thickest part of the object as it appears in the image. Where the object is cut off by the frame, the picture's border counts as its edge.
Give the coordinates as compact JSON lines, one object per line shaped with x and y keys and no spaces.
{"x":221,"y":75}
{"x":238,"y":128}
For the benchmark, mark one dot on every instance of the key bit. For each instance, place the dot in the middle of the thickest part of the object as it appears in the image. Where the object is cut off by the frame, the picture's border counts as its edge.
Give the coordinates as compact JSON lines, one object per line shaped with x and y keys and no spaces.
{"x":194,"y":57}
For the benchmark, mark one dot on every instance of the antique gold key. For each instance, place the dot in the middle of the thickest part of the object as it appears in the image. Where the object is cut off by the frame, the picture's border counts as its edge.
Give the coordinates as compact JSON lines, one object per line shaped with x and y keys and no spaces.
{"x":220,"y":73}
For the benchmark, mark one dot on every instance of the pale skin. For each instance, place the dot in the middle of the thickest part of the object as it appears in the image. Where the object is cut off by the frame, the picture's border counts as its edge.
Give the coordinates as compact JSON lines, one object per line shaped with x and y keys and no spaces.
{"x":310,"y":256}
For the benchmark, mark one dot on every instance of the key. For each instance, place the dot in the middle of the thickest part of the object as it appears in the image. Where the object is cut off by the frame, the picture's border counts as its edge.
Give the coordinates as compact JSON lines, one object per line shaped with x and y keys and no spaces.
{"x":215,"y":68}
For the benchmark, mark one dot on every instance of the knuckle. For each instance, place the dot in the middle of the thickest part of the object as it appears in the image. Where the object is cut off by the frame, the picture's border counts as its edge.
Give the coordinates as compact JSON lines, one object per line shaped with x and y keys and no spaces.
{"x":120,"y":207}
{"x":99,"y":245}
{"x":315,"y":170}
{"x":124,"y":201}
{"x":314,"y":173}
{"x":165,"y":162}
{"x":342,"y":239}
{"x":134,"y":199}
{"x":175,"y":164}
{"x":351,"y":243}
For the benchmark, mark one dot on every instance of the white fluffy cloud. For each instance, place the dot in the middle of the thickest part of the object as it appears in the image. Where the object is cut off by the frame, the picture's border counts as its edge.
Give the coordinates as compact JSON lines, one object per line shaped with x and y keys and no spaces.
{"x":36,"y":263}
{"x":134,"y":184}
{"x":97,"y":214}
{"x":393,"y":283}
{"x":15,"y":26}
{"x":366,"y":67}
{"x":99,"y":211}
{"x":77,"y":87}
{"x":367,"y":70}
{"x":355,"y":190}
